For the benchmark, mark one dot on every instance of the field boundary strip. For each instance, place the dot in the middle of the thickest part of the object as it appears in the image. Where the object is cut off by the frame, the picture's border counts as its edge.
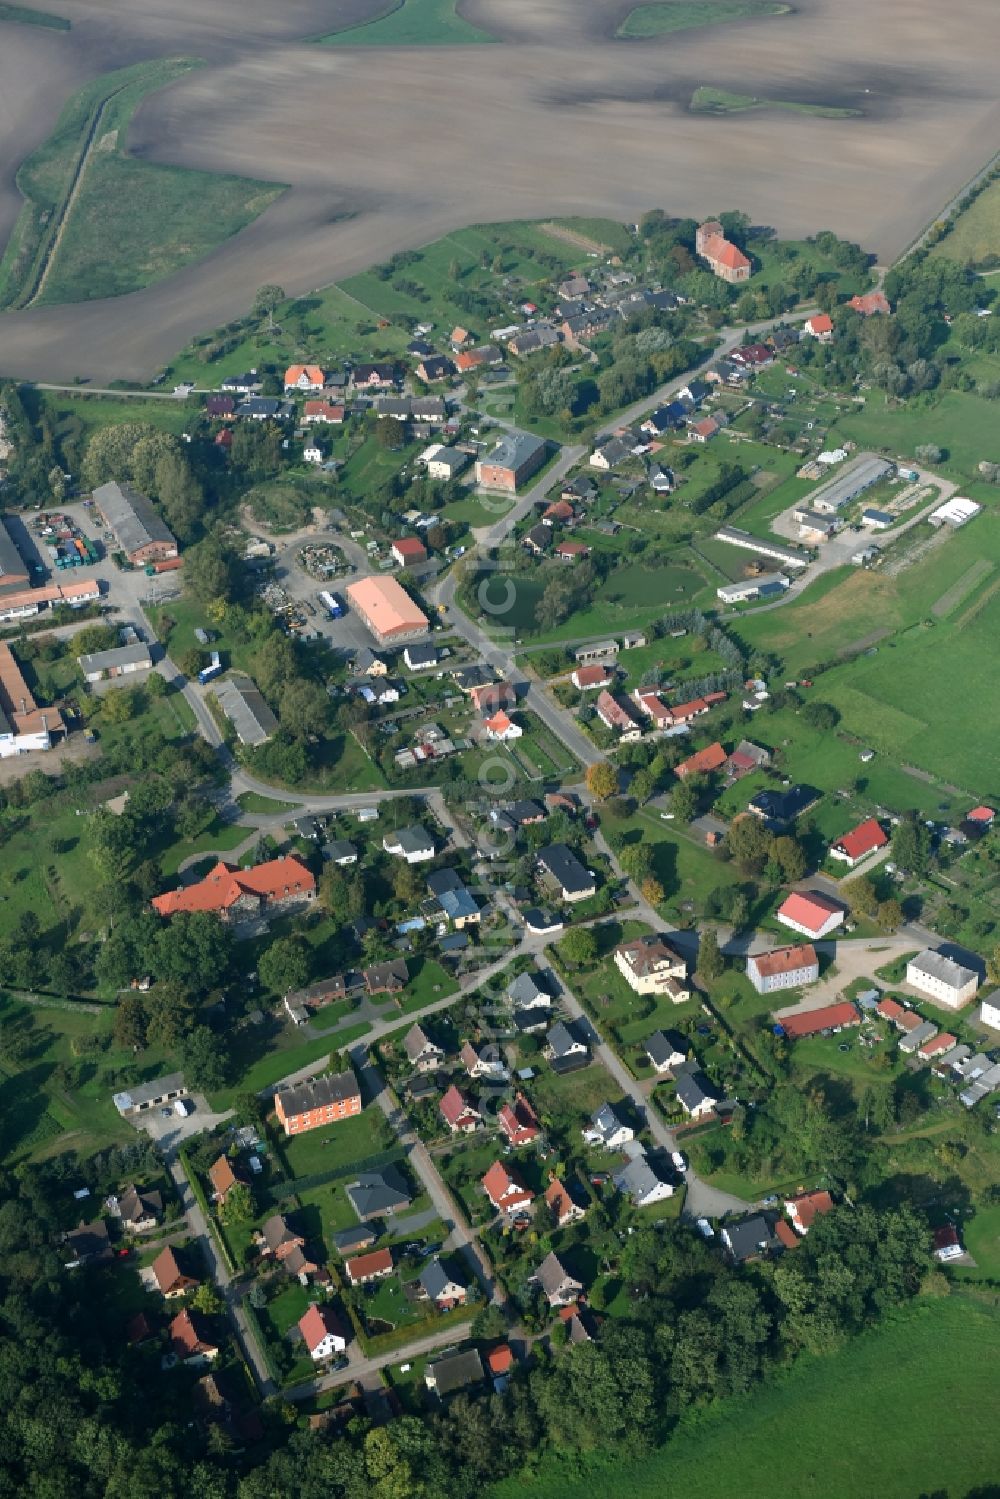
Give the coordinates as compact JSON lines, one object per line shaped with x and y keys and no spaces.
{"x":962,"y":587}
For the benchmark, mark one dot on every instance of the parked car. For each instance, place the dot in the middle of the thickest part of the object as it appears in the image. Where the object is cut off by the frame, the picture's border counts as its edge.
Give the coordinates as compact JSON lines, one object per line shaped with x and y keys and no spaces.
{"x":705,"y":1228}
{"x":678,"y":1160}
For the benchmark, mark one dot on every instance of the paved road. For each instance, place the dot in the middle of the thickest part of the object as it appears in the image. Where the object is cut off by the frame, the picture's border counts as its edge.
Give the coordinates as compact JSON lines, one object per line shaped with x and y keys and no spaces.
{"x":361,"y":1367}
{"x":198,"y":1225}
{"x":701,"y":1200}
{"x":460,"y":1237}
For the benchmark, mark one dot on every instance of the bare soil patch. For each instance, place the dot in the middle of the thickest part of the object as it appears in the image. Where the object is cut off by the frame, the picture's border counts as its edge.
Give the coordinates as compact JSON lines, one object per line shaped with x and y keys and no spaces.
{"x":563,"y":121}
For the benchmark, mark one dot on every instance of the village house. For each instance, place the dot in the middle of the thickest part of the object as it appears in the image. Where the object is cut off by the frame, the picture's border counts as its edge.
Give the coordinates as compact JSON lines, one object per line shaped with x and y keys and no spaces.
{"x":590,"y":678}
{"x":501,"y":728}
{"x":526,"y":993}
{"x":519,"y":1121}
{"x":538,"y":540}
{"x":641,"y":1183}
{"x":565,"y":1049}
{"x":318,"y":1101}
{"x":703,"y":430}
{"x":122,"y":661}
{"x":324,"y":413}
{"x":414,"y":844}
{"x":557,"y":1285}
{"x":704,"y":762}
{"x":486,"y":1064}
{"x":139,"y":1210}
{"x":650,"y":965}
{"x":365,"y":1268}
{"x":423,"y":1054}
{"x":462,"y":1370}
{"x":745,"y":759}
{"x":949,"y":982}
{"x":313,"y":451}
{"x":750,"y":1239}
{"x":322,"y":1333}
{"x":666,"y":1050}
{"x":223,"y":1179}
{"x":408,"y":551}
{"x":458,"y":1113}
{"x":299,"y":377}
{"x":239,"y":894}
{"x":804,"y":1209}
{"x":819,"y":326}
{"x":563,"y":870}
{"x":859,"y":843}
{"x":813,"y":914}
{"x":87,"y":1244}
{"x":375,"y":377}
{"x":694,"y":1091}
{"x":870,"y":303}
{"x":571,"y":551}
{"x":616,"y":717}
{"x":506,"y":1192}
{"x":831,"y":1018}
{"x":561,"y":1205}
{"x":171,"y":1278}
{"x":784,"y":968}
{"x":456,"y":903}
{"x":190,"y":1340}
{"x":378,"y":1194}
{"x":606,"y":1130}
{"x":438,"y":1285}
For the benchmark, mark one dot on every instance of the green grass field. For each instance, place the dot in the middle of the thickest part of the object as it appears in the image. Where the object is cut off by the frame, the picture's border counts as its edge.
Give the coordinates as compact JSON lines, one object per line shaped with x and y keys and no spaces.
{"x":718,"y":101}
{"x":134,"y":222}
{"x":842,"y":1427}
{"x":975,"y":237}
{"x":23,"y":15}
{"x":411,"y":23}
{"x":684,"y":15}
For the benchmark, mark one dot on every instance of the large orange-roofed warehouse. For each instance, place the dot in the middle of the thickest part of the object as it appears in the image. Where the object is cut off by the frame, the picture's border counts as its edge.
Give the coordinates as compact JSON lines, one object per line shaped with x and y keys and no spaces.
{"x":387,"y":610}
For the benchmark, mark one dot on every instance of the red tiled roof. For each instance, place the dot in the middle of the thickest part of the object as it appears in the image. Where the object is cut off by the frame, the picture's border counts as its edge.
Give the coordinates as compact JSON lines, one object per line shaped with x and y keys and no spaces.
{"x":166,"y":1271}
{"x":316,"y":1323}
{"x":784,"y":960}
{"x":312,"y":372}
{"x":725,"y":253}
{"x":936,"y":1045}
{"x":223,"y":886}
{"x":189,"y":1336}
{"x":410,"y":548}
{"x":706,"y":427}
{"x":559,"y":510}
{"x":808,"y":909}
{"x":702,"y":763}
{"x":588,"y":676}
{"x":500,"y":723}
{"x":558,"y":1199}
{"x":827,"y":1018}
{"x":689,"y":710}
{"x":498,"y":1180}
{"x":518,"y":1120}
{"x":500,"y":1360}
{"x":946,"y":1236}
{"x":222,"y":1176}
{"x":808,"y":1206}
{"x":454,"y":1105}
{"x":870,"y":302}
{"x":980,"y":814}
{"x":379,"y":1262}
{"x":572,"y":549}
{"x":820,"y":322}
{"x":785,"y":1234}
{"x":863,"y":839}
{"x":890,"y":1009}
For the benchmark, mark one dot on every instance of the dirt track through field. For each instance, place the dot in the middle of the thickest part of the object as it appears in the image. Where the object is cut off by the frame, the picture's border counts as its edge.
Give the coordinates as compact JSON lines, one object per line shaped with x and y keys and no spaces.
{"x":389,"y":148}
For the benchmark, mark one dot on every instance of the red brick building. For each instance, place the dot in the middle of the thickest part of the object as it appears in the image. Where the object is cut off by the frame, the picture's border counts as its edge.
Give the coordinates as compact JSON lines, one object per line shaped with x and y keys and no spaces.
{"x":318,"y":1101}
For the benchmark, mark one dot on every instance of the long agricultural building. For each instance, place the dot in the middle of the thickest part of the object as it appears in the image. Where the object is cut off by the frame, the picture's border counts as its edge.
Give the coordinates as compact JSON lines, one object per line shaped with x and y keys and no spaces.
{"x":140,"y":531}
{"x":31,"y":601}
{"x":833,"y":496}
{"x":23,"y":725}
{"x":387,"y":610}
{"x":737,"y":538}
{"x":13,"y":570}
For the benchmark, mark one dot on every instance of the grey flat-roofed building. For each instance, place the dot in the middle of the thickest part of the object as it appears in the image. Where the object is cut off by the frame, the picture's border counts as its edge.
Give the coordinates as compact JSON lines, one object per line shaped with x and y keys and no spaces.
{"x":13,"y":571}
{"x":241,"y":701}
{"x":120,"y":662}
{"x":737,"y":538}
{"x":850,"y":483}
{"x":140,"y":531}
{"x":148,"y":1095}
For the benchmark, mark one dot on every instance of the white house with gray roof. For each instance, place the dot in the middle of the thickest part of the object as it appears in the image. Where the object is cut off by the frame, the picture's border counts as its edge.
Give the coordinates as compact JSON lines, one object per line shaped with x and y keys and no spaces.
{"x":942,"y":978}
{"x":241,"y":701}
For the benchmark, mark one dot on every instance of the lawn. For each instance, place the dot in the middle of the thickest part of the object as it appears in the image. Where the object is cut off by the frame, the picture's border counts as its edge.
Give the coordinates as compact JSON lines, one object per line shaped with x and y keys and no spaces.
{"x":632,"y":596}
{"x":131,"y":222}
{"x":684,"y":15}
{"x":252,"y":801}
{"x":867,"y":1392}
{"x":975,"y":237}
{"x":280,"y":1056}
{"x":27,"y":17}
{"x":339,"y":1144}
{"x":57,"y":1080}
{"x":718,"y":101}
{"x":428,"y":981}
{"x":411,"y":23}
